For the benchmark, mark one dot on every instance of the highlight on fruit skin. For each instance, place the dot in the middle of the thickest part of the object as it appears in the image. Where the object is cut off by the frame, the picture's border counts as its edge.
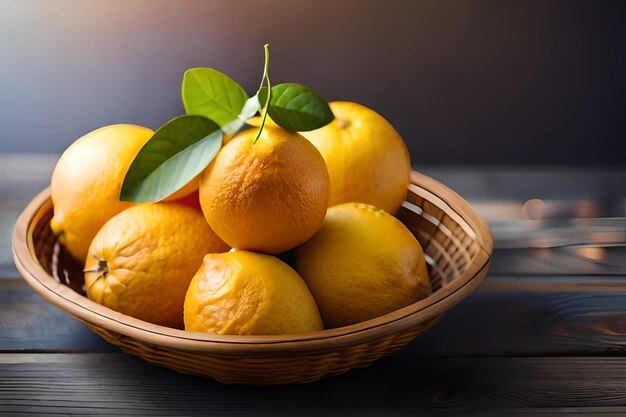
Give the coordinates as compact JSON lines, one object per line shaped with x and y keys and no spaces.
{"x":141,"y":262}
{"x":367,"y":159}
{"x":361,"y":264}
{"x":87,"y":180}
{"x":249,"y":293}
{"x":268,"y":196}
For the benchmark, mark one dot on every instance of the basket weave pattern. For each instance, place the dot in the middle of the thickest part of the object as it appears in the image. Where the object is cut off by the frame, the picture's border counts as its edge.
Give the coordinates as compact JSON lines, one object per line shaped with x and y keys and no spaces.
{"x":456,"y":243}
{"x":255,"y":369}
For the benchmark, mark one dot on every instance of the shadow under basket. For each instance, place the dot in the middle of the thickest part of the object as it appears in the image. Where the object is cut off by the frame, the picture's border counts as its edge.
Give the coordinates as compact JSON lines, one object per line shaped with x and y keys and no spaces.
{"x":456,"y":242}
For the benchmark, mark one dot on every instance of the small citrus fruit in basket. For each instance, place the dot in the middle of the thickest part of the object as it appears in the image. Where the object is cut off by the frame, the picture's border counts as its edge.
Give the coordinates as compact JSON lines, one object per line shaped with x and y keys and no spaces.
{"x":141,"y":262}
{"x":249,"y":293}
{"x":267,"y":196}
{"x":362,"y":263}
{"x":87,"y":180}
{"x":367,"y":160}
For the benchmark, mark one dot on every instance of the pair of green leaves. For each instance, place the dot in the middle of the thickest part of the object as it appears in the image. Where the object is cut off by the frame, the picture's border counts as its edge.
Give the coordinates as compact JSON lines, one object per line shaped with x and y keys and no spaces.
{"x":209,"y":93}
{"x":215,"y":105}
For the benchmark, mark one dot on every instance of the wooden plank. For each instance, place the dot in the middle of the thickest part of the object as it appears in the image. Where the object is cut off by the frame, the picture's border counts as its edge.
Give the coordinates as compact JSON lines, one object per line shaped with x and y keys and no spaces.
{"x":583,"y":260}
{"x":519,"y":184}
{"x":510,"y":320}
{"x":21,"y":178}
{"x":503,"y":317}
{"x":7,"y":222}
{"x":117,"y":384}
{"x":27,"y":322}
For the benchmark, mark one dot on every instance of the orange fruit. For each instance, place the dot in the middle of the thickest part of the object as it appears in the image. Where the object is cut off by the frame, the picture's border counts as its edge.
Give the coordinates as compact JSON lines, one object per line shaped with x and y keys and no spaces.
{"x":141,"y":262}
{"x":267,"y":196}
{"x":249,"y":293}
{"x":87,"y":181}
{"x":362,"y":263}
{"x":367,"y":160}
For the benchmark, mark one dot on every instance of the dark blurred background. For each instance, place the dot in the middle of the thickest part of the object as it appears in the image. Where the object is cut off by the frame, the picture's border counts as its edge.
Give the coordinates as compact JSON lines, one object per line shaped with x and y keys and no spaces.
{"x":471,"y":82}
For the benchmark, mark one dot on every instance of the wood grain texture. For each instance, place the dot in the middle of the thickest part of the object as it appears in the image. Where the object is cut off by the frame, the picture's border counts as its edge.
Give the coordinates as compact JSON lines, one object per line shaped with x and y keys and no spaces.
{"x":517,"y":184}
{"x":587,"y":261}
{"x":21,"y":178}
{"x":28,"y":323}
{"x":117,"y":384}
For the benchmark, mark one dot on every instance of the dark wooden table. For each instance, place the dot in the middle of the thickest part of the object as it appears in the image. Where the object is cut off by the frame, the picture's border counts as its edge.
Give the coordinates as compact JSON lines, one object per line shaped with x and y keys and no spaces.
{"x":545,"y":333}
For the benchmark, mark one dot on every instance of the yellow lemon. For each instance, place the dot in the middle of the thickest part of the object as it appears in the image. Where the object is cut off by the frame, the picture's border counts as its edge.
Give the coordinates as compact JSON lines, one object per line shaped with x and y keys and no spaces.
{"x":367,"y":160}
{"x":87,"y":181}
{"x":249,"y":293}
{"x":362,"y":263}
{"x":267,"y":196}
{"x":141,"y":262}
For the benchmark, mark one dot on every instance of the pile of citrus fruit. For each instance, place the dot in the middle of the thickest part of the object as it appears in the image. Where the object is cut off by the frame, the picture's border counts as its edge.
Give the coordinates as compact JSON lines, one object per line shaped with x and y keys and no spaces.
{"x":282,"y":232}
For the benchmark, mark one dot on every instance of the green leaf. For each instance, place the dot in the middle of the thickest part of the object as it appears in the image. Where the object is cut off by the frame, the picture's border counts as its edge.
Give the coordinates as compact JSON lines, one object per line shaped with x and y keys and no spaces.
{"x":296,"y":107}
{"x":209,"y":93}
{"x":177,"y":152}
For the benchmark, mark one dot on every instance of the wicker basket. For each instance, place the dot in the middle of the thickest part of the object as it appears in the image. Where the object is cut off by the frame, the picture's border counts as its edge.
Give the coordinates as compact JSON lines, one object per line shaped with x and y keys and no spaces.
{"x":456,"y":242}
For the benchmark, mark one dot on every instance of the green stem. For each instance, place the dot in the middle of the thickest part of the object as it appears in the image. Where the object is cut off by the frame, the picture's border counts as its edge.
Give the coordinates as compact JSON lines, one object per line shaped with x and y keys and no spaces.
{"x":266,"y":65}
{"x":265,"y":82}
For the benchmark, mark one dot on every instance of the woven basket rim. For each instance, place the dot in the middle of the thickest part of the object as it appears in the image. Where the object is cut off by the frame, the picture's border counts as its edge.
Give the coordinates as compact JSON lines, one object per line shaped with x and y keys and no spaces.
{"x":86,"y":310}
